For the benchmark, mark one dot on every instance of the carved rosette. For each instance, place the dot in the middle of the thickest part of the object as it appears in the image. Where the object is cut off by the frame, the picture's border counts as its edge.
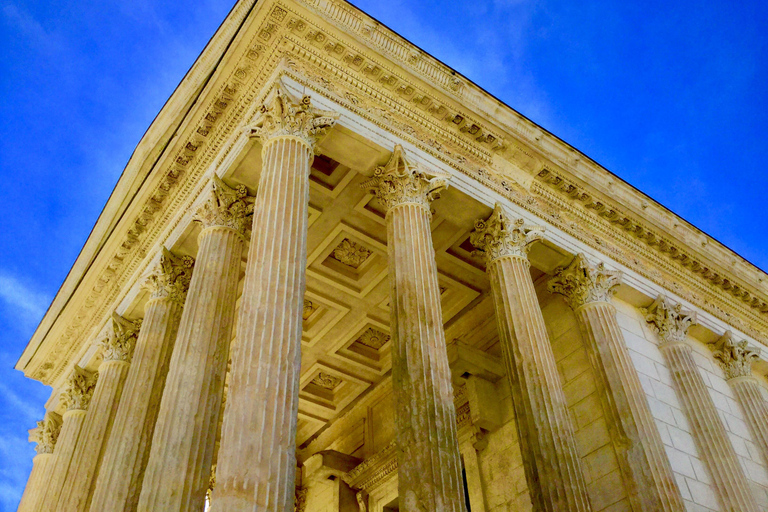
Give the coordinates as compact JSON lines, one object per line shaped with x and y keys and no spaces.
{"x":225,"y":206}
{"x":401,"y":182}
{"x":170,"y":277}
{"x":79,"y":389}
{"x":119,"y":345}
{"x":300,"y":501}
{"x":735,"y":358}
{"x":584,"y":283}
{"x":45,"y":434}
{"x":668,"y":320}
{"x":284,"y":117}
{"x":499,"y":236}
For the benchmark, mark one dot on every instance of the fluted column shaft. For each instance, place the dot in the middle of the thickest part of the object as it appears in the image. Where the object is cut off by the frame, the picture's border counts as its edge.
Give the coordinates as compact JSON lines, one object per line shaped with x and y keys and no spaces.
{"x":747,"y":392}
{"x":71,"y":426}
{"x":37,"y":482}
{"x":179,"y":467}
{"x":256,"y":465}
{"x":119,"y":483}
{"x":553,"y":466}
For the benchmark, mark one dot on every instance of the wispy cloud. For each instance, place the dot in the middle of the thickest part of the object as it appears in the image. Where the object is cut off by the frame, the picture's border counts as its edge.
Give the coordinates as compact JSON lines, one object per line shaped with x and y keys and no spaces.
{"x":27,"y":304}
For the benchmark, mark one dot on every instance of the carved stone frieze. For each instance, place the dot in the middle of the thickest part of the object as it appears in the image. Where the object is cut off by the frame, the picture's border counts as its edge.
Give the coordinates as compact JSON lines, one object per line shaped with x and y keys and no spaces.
{"x":121,"y":340}
{"x":46,"y":433}
{"x":79,"y":389}
{"x":226,"y":206}
{"x":401,"y":182}
{"x":351,"y":253}
{"x":582,"y":283}
{"x":499,"y":235}
{"x":735,"y":358}
{"x":669,"y":320}
{"x":170,"y":277}
{"x":284,"y":117}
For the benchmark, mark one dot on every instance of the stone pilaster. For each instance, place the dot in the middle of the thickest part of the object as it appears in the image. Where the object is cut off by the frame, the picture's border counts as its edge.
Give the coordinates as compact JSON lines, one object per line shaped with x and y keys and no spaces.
{"x":429,"y":463}
{"x":643,"y":462}
{"x":119,"y":483}
{"x":176,"y":476}
{"x":256,"y":462}
{"x":552,"y":464}
{"x":117,"y":349}
{"x":76,"y":398}
{"x":715,"y":448}
{"x":45,"y":435}
{"x":735,"y":358}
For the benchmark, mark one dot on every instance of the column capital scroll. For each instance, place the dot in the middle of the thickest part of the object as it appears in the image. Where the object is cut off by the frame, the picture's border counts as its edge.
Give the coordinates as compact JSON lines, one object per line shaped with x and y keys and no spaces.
{"x":121,"y":340}
{"x":582,"y":282}
{"x":171,"y":276}
{"x":79,"y":389}
{"x":669,"y":320}
{"x":225,"y":206}
{"x":402,"y":182}
{"x":46,"y":433}
{"x":285,"y":117}
{"x":500,"y":235}
{"x":735,"y":358}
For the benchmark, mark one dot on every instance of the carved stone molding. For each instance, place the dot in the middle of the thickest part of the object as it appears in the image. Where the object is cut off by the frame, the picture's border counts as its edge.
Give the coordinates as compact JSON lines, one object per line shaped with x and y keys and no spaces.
{"x":170,"y":277}
{"x":119,"y":344}
{"x":284,"y":117}
{"x":79,"y":389}
{"x":669,"y":320}
{"x":402,"y":182}
{"x":46,"y":433}
{"x":582,"y":283}
{"x":735,"y":358}
{"x":499,"y":235}
{"x":225,"y":206}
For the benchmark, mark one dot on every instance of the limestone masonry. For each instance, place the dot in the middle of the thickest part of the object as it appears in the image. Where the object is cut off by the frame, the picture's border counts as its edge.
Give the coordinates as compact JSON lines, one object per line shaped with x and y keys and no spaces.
{"x":337,"y":276}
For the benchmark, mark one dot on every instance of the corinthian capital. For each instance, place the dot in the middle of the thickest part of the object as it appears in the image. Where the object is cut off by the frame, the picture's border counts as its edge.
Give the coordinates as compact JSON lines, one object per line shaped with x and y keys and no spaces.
{"x":400,"y":182}
{"x":285,"y":117}
{"x":46,"y":433}
{"x":79,"y":389}
{"x":668,"y":320}
{"x":583,"y":283}
{"x":499,"y":235}
{"x":225,"y":206}
{"x":735,"y":358}
{"x":119,"y":344}
{"x":171,"y":276}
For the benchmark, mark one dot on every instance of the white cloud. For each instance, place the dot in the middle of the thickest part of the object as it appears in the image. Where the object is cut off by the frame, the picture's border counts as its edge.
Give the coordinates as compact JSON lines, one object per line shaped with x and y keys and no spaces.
{"x":26,"y":304}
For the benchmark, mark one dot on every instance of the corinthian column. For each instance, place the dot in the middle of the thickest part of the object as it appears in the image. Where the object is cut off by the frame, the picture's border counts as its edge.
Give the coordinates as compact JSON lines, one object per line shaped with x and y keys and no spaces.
{"x":716,"y":450}
{"x":552,"y":463}
{"x":76,"y":397}
{"x":179,"y":466}
{"x":429,"y":464}
{"x":86,"y":460}
{"x":736,"y":361}
{"x":256,"y":464}
{"x":45,"y":435}
{"x":118,"y":486}
{"x":643,"y":462}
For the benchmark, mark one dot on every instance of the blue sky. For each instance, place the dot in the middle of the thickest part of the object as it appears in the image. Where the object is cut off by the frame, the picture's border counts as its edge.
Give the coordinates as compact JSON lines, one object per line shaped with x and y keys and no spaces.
{"x":670,"y":96}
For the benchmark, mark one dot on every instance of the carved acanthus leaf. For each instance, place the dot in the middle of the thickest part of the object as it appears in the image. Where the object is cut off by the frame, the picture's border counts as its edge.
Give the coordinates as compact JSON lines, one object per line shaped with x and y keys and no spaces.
{"x":225,"y":206}
{"x":284,"y":117}
{"x":46,"y":433}
{"x":401,"y":182}
{"x":350,"y":253}
{"x":79,"y":389}
{"x":669,"y":320}
{"x":735,"y":358}
{"x":119,"y":344}
{"x":500,"y":235}
{"x":170,"y":277}
{"x":583,"y":283}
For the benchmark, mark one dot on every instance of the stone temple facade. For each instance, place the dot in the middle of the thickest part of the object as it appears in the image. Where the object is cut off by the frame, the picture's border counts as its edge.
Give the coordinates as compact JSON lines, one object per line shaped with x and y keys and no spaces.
{"x":337,"y":276}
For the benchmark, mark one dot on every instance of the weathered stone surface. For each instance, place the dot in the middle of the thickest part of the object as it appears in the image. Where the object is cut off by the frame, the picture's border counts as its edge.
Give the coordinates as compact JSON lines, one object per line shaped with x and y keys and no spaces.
{"x":644,"y":466}
{"x":552,"y":464}
{"x":45,"y":435}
